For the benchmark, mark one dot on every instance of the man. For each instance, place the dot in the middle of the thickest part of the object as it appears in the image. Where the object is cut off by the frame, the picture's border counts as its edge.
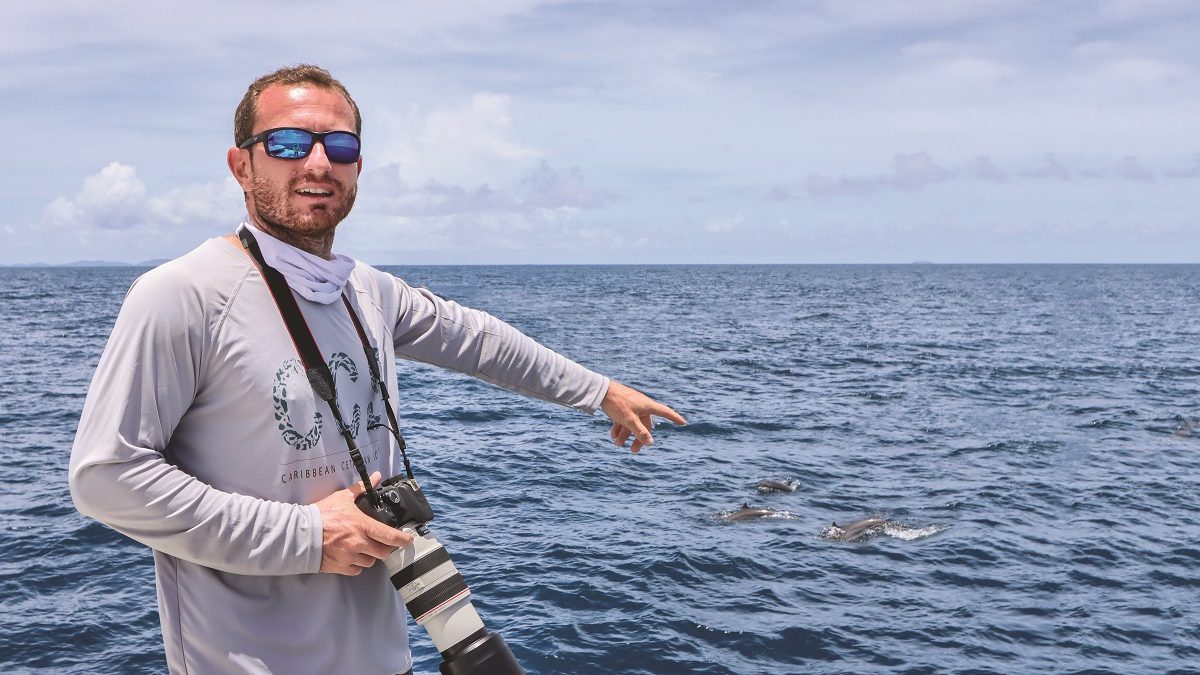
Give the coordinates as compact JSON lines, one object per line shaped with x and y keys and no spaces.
{"x":202,"y":439}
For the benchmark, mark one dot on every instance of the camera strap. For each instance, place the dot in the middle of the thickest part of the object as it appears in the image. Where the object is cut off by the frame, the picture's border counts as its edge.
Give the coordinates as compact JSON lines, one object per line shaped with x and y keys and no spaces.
{"x":373,"y":366}
{"x":316,"y":369}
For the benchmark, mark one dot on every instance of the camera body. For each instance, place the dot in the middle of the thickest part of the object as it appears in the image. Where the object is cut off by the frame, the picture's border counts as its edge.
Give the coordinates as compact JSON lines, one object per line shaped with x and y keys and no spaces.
{"x":403,"y":503}
{"x":434,"y":592}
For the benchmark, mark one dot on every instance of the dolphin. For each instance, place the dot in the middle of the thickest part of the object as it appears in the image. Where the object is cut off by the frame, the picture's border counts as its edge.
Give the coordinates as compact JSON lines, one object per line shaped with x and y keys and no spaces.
{"x":772,"y":485}
{"x":748,"y":512}
{"x":859,"y":529}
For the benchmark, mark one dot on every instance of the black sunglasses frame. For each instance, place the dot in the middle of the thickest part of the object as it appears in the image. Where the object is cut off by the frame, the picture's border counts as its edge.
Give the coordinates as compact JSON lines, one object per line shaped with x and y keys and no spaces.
{"x":317,"y":137}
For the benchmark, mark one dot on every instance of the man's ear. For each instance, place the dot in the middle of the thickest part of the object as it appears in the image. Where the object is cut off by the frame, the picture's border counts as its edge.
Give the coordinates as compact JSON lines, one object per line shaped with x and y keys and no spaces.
{"x":239,"y":166}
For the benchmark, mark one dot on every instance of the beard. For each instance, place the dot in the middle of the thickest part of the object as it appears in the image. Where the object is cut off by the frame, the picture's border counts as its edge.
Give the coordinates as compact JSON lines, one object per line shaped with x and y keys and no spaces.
{"x":277,"y":209}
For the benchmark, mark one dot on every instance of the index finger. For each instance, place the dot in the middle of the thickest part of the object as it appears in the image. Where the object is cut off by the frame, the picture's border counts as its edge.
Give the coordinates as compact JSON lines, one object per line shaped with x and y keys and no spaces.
{"x":385,"y":534}
{"x":667,"y":413}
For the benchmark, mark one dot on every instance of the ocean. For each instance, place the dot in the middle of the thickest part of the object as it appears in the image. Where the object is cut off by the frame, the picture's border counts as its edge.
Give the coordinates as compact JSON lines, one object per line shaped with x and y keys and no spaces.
{"x":1032,"y":434}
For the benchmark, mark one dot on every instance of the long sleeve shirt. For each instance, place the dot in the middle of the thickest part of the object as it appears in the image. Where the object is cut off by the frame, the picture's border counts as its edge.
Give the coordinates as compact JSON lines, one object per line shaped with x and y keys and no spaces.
{"x":202,"y":439}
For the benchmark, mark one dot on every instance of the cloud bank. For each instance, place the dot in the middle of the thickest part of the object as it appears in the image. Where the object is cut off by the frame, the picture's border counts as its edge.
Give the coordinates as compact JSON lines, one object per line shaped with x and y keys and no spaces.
{"x":734,"y":131}
{"x":116,"y":199}
{"x":917,"y":171}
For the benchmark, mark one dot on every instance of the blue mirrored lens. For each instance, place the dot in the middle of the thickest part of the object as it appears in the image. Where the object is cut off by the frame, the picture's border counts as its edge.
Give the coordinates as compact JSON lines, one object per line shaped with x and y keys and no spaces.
{"x":289,"y":143}
{"x":341,"y":147}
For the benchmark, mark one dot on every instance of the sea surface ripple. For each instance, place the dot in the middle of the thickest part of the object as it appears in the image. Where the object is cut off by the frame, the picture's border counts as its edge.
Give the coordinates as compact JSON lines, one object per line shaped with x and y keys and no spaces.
{"x":1036,"y":427}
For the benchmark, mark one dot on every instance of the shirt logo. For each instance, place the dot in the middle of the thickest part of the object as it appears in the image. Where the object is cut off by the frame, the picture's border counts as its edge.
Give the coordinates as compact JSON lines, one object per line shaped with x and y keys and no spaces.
{"x":291,"y":374}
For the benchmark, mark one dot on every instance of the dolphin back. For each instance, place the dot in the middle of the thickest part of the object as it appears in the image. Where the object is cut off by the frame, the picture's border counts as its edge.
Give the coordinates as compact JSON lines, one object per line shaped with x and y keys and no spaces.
{"x":858,"y":529}
{"x":772,"y":485}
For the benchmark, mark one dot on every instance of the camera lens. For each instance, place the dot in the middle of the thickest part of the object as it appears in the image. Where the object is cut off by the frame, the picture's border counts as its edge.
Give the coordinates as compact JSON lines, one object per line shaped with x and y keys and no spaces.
{"x":434,"y":592}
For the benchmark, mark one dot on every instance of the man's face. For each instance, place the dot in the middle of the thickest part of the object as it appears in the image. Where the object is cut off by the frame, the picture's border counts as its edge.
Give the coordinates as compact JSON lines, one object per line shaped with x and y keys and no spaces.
{"x":308,"y":196}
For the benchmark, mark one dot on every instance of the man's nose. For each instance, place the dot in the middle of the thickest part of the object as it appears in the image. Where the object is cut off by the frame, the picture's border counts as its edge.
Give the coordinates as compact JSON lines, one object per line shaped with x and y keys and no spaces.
{"x":317,"y":161}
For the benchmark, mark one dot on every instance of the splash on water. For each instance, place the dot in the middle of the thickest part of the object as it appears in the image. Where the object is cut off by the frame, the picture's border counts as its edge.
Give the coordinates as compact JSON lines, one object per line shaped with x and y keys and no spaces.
{"x":908,"y":533}
{"x":889,"y":528}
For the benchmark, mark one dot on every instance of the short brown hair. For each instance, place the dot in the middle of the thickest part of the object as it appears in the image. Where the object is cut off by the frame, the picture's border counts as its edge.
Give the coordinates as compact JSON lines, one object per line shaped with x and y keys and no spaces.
{"x":304,"y":73}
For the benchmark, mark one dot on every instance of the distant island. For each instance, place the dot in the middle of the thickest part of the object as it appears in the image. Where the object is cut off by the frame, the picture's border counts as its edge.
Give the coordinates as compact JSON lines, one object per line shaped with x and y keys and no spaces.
{"x":92,"y":263}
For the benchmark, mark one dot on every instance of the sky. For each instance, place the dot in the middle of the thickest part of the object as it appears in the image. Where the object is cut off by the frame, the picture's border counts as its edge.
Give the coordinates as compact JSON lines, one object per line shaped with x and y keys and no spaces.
{"x":639,"y":131}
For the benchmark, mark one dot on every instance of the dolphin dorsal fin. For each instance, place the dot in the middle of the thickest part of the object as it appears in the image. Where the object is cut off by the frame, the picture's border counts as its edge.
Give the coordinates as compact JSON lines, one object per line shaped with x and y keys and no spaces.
{"x":745,"y":505}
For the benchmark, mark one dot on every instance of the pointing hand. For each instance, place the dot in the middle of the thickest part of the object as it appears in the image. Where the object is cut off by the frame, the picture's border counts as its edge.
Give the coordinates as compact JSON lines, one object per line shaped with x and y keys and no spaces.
{"x":630,"y":412}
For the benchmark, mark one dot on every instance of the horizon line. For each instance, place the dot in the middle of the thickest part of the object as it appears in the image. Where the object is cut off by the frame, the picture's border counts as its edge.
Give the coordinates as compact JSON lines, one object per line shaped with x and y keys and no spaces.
{"x":99,"y":264}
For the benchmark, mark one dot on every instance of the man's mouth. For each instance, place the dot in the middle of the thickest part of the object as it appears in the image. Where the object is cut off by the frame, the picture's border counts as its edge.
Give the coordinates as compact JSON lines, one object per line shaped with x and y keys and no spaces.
{"x":314,"y":192}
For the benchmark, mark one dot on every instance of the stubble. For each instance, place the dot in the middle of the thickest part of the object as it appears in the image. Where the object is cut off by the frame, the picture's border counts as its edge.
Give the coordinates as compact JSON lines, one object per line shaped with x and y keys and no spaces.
{"x":308,"y":229}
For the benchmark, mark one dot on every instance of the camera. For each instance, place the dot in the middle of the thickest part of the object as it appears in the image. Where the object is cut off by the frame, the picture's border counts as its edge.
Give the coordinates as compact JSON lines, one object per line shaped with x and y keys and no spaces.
{"x":435,"y":594}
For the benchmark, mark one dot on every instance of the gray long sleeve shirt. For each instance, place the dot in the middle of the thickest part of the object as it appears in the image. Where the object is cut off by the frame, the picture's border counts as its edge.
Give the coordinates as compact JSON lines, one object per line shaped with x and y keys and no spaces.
{"x":202,"y":439}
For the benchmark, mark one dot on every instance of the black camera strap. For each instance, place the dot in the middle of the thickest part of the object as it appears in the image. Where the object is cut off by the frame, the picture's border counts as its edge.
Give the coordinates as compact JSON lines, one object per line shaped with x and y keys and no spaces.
{"x":373,"y":366}
{"x":315,"y":368}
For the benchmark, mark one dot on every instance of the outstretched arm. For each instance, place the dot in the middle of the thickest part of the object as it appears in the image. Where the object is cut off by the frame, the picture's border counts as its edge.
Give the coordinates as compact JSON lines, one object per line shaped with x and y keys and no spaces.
{"x":444,"y":333}
{"x":630,"y":411}
{"x":441,"y":332}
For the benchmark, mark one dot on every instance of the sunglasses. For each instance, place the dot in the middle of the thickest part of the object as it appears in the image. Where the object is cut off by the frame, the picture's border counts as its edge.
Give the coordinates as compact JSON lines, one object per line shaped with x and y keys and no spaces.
{"x":342,"y":147}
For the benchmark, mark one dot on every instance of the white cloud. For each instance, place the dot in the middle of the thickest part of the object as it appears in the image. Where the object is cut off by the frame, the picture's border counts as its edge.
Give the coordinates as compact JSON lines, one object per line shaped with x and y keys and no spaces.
{"x":1051,"y":168}
{"x":467,"y":143}
{"x":384,"y":191}
{"x":116,"y":199}
{"x":536,"y":214}
{"x":909,"y":172}
{"x":916,"y":171}
{"x":547,"y":188}
{"x":481,"y":127}
{"x":983,"y":168}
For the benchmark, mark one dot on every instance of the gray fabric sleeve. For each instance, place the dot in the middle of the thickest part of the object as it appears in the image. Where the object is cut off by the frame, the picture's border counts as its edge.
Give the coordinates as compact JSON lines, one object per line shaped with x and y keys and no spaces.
{"x":433,"y":330}
{"x":144,"y":383}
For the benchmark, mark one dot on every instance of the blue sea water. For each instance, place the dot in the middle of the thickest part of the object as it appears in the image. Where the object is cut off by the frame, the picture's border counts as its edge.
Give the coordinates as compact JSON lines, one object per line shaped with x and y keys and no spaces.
{"x":1033,"y":431}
